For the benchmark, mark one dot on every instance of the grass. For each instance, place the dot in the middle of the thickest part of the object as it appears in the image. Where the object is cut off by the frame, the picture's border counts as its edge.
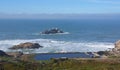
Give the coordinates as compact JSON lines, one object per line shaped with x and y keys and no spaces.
{"x":81,"y":65}
{"x":8,"y":63}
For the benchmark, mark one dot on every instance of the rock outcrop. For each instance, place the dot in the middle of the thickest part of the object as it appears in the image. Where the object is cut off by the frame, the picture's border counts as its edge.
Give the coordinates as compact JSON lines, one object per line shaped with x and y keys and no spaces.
{"x":117,"y":44}
{"x":52,"y":31}
{"x":15,"y":54}
{"x":103,"y":53}
{"x":26,"y":45}
{"x":95,"y":55}
{"x":2,"y":53}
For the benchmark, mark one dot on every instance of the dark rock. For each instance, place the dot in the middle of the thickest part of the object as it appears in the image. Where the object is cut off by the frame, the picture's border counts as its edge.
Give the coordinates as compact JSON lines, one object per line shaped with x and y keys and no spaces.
{"x":53,"y":31}
{"x":27,"y":45}
{"x":103,"y":53}
{"x":2,"y":53}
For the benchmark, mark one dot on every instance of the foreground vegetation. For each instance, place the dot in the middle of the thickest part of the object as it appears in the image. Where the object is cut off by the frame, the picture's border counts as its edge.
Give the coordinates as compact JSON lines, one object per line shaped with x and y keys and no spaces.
{"x":60,"y":64}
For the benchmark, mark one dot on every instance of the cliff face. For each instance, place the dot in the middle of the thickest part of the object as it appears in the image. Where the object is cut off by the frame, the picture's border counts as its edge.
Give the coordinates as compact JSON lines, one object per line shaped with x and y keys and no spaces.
{"x":117,"y":44}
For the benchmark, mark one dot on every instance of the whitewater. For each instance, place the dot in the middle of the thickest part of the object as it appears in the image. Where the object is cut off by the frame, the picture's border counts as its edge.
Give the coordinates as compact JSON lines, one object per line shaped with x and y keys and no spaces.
{"x":54,"y":46}
{"x":81,"y":35}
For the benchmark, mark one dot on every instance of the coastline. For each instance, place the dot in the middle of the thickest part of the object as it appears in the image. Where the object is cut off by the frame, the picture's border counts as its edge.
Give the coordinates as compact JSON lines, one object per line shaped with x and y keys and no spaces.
{"x":62,"y":61}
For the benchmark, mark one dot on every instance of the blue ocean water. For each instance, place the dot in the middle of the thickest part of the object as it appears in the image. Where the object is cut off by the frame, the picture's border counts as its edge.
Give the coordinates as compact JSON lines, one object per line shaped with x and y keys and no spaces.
{"x":81,"y":34}
{"x":62,"y":55}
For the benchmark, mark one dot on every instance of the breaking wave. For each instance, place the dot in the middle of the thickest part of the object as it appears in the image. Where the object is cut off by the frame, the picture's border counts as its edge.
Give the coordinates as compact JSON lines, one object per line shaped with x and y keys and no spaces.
{"x":54,"y":46}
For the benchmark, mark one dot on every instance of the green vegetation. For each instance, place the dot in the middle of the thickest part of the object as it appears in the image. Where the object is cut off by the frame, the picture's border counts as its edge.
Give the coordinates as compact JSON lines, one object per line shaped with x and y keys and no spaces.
{"x":73,"y":64}
{"x":60,"y":64}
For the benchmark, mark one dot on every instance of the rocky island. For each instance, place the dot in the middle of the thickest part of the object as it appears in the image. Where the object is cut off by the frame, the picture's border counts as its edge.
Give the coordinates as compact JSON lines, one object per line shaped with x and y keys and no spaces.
{"x":52,"y":31}
{"x":26,"y":45}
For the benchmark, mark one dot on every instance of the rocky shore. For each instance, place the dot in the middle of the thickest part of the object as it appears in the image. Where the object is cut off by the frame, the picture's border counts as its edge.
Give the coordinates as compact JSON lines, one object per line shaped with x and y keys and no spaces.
{"x":28,"y":45}
{"x":114,"y":52}
{"x":102,"y":60}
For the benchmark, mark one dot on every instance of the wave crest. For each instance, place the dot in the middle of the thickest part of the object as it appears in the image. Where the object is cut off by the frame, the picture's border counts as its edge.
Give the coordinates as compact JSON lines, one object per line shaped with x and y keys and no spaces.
{"x":54,"y":46}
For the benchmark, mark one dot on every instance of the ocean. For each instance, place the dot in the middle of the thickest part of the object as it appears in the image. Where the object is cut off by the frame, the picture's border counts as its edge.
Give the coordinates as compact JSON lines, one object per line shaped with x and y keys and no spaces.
{"x":81,"y":35}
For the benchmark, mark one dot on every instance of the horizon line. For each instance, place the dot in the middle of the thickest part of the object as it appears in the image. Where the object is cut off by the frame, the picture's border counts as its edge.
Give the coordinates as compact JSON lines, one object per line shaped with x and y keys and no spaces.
{"x":57,"y":16}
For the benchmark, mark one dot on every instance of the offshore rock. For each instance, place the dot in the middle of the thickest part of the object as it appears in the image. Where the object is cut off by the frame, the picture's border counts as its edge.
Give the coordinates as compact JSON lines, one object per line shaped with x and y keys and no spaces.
{"x":26,"y":45}
{"x":52,"y":31}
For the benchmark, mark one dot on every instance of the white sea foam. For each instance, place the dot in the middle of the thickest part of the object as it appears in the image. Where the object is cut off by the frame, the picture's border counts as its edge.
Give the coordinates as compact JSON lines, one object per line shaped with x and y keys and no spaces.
{"x":58,"y":46}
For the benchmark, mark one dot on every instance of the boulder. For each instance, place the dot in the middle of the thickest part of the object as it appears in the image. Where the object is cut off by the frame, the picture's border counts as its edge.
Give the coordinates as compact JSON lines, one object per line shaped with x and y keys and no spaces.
{"x":27,"y":45}
{"x":52,"y":31}
{"x":117,"y":44}
{"x":2,"y":53}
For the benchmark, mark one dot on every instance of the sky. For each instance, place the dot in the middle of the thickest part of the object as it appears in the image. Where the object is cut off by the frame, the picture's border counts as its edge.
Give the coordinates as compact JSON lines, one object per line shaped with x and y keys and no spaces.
{"x":59,"y":6}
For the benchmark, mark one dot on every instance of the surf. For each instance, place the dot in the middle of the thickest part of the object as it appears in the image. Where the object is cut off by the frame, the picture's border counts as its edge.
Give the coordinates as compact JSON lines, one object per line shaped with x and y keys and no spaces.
{"x":56,"y":46}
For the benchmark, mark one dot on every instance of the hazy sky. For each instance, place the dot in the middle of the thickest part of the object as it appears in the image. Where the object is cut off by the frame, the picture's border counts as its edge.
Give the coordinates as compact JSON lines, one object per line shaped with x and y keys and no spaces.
{"x":59,"y":6}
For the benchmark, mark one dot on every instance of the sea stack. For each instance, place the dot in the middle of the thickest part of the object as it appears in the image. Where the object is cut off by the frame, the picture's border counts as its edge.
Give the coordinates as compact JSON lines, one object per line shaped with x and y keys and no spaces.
{"x":52,"y":31}
{"x":26,"y":45}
